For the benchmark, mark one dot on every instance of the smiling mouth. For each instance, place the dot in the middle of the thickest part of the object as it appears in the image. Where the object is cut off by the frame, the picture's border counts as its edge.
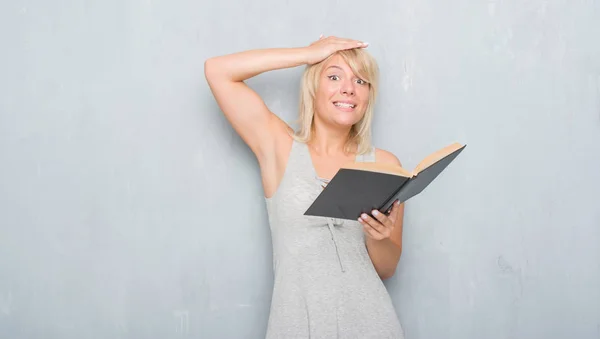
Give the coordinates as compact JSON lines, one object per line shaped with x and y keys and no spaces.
{"x":343,"y":105}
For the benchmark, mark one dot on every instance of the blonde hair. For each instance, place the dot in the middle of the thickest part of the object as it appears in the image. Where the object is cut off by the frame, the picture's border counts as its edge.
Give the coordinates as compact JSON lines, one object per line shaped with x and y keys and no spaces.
{"x":365,"y":67}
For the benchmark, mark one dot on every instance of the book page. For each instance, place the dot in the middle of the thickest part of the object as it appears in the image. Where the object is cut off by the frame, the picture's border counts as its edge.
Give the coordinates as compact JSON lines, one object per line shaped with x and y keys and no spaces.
{"x":436,"y":156}
{"x":379,"y":167}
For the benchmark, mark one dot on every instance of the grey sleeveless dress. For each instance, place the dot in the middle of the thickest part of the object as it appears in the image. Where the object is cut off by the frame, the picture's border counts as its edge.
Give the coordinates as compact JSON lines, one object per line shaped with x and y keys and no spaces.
{"x":325,"y":285}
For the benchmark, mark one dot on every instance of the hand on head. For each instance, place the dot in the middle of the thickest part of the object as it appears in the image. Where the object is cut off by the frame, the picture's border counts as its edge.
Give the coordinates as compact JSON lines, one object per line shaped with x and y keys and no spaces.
{"x":325,"y":46}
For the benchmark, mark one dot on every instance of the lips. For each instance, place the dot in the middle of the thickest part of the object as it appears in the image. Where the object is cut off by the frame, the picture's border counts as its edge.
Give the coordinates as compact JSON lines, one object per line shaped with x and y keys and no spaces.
{"x":344,"y":104}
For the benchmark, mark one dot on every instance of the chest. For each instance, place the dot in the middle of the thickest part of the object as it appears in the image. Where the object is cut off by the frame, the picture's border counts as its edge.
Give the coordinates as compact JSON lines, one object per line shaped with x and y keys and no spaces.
{"x":327,"y":167}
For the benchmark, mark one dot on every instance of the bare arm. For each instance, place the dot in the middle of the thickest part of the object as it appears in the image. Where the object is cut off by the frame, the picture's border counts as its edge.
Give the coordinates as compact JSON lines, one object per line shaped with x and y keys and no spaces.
{"x":385,"y":253}
{"x":242,"y":106}
{"x":384,"y":234}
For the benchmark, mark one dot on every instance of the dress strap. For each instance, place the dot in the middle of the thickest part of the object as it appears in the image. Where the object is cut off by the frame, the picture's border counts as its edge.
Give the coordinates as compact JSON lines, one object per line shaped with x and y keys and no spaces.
{"x":367,"y":157}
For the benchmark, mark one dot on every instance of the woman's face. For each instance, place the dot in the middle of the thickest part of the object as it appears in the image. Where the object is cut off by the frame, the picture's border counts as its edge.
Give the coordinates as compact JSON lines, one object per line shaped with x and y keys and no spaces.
{"x":341,"y":97}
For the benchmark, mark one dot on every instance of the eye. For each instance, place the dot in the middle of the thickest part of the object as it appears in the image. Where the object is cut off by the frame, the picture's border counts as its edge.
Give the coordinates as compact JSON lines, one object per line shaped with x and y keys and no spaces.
{"x":333,"y":76}
{"x":362,"y":82}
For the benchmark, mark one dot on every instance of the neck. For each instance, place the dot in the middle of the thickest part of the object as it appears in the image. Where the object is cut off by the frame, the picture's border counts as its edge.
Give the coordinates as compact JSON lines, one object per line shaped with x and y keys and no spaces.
{"x":327,"y":141}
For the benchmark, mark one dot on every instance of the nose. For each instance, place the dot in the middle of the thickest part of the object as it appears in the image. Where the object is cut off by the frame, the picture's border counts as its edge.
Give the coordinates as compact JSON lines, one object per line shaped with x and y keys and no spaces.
{"x":348,"y":88}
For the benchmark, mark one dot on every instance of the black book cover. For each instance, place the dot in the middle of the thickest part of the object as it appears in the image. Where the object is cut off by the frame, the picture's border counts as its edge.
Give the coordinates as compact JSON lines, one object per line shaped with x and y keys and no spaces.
{"x":352,"y":192}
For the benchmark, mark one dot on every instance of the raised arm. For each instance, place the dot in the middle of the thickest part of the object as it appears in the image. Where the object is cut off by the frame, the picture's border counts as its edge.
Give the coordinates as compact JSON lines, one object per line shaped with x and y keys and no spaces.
{"x":257,"y":126}
{"x":243,"y":108}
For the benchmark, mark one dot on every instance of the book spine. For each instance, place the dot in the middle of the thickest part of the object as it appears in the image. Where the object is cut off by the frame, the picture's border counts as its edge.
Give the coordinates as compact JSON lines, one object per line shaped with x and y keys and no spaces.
{"x":387,"y":206}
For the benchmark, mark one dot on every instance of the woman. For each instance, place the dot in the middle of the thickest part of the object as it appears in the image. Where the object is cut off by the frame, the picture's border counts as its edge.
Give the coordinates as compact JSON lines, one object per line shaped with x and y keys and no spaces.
{"x":328,"y":272}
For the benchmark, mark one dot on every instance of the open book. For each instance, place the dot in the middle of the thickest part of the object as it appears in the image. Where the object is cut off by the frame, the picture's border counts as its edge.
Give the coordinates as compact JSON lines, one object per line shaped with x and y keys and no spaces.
{"x":361,"y":187}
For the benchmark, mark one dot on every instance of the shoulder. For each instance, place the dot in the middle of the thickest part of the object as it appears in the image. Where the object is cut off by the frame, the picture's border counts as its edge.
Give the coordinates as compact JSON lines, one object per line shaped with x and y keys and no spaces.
{"x":386,"y":157}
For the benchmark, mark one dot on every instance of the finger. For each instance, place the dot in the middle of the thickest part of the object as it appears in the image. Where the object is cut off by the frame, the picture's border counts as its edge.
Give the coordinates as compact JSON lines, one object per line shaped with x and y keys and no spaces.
{"x":383,"y":219}
{"x":373,"y":223}
{"x":344,"y":40}
{"x":364,"y":220}
{"x":359,"y":43}
{"x":344,"y":43}
{"x":371,"y":233}
{"x":349,"y":44}
{"x":393,"y":214}
{"x":395,"y":211}
{"x":353,"y":43}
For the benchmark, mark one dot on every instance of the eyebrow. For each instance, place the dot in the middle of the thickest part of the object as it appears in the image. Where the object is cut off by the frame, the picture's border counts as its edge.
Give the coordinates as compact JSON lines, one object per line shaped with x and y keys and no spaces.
{"x":334,"y":66}
{"x":338,"y":67}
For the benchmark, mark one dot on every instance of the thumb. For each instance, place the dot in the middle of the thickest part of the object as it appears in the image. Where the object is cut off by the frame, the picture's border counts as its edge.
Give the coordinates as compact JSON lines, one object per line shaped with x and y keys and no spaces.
{"x":394,"y":212}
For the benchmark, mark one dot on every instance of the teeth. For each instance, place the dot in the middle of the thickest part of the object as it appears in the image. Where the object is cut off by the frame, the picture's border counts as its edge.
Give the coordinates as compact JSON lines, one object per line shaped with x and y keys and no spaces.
{"x":340,"y":104}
